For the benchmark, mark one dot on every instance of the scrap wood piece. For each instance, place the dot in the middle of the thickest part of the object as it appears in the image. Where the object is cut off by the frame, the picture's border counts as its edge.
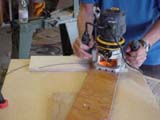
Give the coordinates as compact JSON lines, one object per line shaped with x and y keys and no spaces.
{"x":58,"y":63}
{"x":95,"y":97}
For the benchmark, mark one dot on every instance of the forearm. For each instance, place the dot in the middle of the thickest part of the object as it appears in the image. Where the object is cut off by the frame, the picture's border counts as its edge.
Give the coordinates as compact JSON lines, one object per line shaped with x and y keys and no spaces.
{"x":85,"y":15}
{"x":153,"y":34}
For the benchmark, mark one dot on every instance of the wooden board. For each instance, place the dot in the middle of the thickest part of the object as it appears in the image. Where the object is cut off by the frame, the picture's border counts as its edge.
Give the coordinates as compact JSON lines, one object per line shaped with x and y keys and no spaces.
{"x":95,"y":97}
{"x":58,"y":63}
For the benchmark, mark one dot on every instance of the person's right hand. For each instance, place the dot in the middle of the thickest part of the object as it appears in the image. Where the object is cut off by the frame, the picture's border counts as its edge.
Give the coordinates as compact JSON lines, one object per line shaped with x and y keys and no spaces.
{"x":80,"y":49}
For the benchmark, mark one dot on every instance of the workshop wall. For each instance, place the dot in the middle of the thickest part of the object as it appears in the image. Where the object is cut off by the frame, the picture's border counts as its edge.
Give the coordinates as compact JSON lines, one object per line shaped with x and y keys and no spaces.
{"x":1,"y":13}
{"x":4,"y":11}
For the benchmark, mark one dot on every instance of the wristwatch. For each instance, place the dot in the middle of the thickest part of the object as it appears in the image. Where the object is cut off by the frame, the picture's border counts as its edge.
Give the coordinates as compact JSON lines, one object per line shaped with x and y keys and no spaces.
{"x":145,"y":44}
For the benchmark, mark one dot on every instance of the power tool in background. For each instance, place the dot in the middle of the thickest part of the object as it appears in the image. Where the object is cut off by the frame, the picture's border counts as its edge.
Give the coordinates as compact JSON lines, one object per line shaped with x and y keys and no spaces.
{"x":109,"y":28}
{"x":39,"y":7}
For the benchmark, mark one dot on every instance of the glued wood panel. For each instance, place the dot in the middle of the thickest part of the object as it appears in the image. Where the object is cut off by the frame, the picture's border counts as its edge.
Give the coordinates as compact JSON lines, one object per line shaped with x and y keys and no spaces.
{"x":50,"y":95}
{"x":133,"y":99}
{"x":38,"y":95}
{"x":95,"y":97}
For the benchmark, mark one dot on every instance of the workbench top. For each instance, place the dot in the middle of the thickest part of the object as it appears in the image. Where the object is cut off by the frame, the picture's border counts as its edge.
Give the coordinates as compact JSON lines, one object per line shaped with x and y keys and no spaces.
{"x":38,"y":95}
{"x":50,"y":95}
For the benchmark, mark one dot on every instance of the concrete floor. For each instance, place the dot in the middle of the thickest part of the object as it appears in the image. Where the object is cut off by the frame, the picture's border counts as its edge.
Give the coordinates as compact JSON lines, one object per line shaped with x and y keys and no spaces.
{"x":47,"y":42}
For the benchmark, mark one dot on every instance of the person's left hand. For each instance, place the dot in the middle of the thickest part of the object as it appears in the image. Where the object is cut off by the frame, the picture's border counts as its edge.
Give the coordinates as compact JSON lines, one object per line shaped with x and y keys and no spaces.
{"x":136,"y":58}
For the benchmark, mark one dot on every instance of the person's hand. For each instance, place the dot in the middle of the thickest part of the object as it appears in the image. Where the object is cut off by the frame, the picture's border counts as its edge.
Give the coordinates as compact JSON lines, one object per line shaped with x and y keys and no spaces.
{"x":136,"y":58}
{"x":80,"y":49}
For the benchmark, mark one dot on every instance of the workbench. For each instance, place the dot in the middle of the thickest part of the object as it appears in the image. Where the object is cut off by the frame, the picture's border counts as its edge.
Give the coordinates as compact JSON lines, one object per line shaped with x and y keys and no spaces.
{"x":34,"y":95}
{"x":37,"y":95}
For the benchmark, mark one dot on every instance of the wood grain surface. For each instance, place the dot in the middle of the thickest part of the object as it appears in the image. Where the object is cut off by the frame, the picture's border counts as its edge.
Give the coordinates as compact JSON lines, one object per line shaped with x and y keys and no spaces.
{"x":134,"y":99}
{"x":39,"y":95}
{"x":50,"y":95}
{"x":95,"y":97}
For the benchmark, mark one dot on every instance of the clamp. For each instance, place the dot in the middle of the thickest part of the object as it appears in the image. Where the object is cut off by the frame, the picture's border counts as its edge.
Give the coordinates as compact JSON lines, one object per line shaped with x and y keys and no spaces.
{"x":3,"y":102}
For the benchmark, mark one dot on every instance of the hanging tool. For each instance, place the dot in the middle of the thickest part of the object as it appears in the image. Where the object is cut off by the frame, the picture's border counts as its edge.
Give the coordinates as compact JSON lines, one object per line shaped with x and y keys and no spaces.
{"x":39,"y":7}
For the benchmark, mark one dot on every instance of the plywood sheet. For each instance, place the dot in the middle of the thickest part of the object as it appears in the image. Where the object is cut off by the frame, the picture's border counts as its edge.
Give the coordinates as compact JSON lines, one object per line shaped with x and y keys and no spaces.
{"x":39,"y":95}
{"x":95,"y":97}
{"x":134,"y":99}
{"x":58,"y":63}
{"x":50,"y":95}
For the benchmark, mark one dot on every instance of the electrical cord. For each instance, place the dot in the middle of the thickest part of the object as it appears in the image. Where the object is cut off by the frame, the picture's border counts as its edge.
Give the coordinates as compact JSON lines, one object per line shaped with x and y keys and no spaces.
{"x":94,"y":25}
